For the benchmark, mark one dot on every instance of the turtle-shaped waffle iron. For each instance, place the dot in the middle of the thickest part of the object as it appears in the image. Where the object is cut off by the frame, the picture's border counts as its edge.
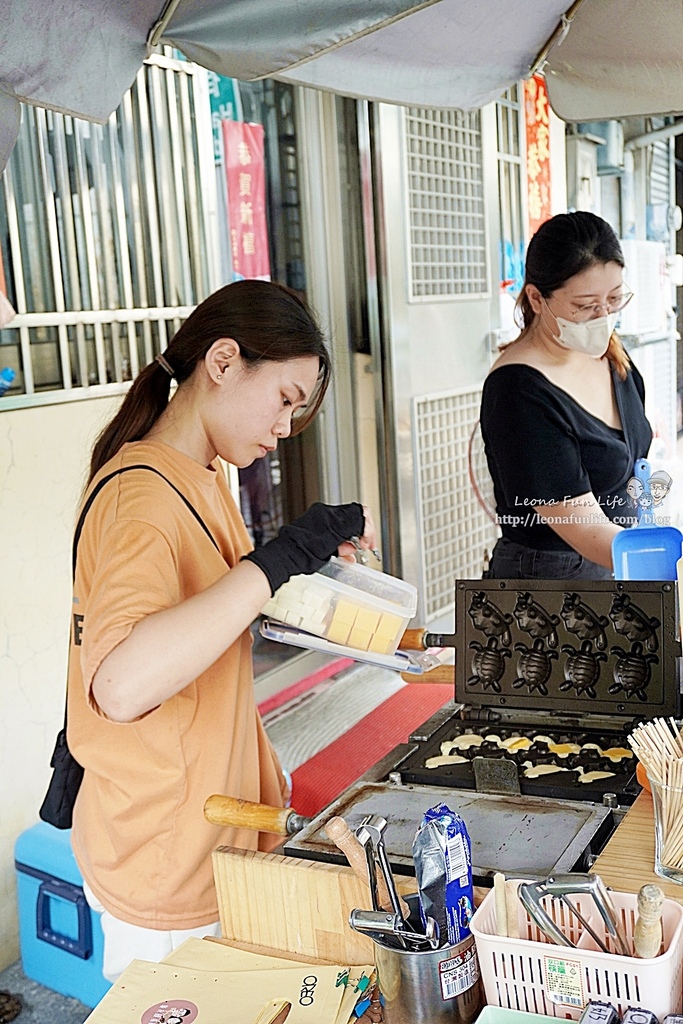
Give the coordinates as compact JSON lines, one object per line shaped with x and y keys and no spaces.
{"x":488,"y":664}
{"x":582,"y":669}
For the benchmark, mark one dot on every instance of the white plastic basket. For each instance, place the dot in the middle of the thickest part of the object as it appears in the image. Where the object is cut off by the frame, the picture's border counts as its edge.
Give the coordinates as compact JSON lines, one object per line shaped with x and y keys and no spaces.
{"x":536,"y":976}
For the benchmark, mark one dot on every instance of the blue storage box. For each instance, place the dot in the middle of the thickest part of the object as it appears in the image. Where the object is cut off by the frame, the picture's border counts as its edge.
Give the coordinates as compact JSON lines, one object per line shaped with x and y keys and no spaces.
{"x":60,"y":936}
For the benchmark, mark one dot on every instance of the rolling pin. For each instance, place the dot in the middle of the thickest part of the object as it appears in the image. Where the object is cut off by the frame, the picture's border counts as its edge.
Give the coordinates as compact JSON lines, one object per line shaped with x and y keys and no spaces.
{"x":499,"y":896}
{"x":647,"y":935}
{"x":228,"y":810}
{"x":344,"y":839}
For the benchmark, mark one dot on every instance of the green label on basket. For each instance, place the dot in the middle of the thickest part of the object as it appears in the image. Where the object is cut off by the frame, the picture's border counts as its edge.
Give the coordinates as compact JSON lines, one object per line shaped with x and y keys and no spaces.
{"x":563,"y":982}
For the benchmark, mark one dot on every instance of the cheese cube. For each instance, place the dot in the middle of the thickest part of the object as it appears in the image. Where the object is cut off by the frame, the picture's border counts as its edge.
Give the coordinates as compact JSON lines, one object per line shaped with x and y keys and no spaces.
{"x":367,"y":619}
{"x":389,"y":625}
{"x":338,"y":632}
{"x":345,"y":612}
{"x":360,"y":638}
{"x":380,"y":645}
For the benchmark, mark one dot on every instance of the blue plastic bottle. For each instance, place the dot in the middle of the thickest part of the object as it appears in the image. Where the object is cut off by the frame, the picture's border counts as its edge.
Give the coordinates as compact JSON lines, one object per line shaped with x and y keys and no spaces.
{"x":6,"y":379}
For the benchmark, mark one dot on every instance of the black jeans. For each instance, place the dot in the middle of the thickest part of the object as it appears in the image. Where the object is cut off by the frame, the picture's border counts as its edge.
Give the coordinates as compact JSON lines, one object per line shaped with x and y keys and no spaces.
{"x":512,"y":561}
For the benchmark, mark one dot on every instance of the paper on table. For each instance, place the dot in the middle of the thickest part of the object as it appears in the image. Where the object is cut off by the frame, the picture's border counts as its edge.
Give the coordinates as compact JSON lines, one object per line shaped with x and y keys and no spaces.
{"x":148,"y":993}
{"x":204,"y":955}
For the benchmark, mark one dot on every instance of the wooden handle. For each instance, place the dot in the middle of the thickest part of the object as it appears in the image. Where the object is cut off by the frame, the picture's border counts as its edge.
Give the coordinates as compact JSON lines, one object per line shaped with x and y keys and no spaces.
{"x":274,"y":1012}
{"x":512,"y":904}
{"x":440,"y":674}
{"x":412,"y":640}
{"x":647,"y":935}
{"x":343,"y":838}
{"x":227,"y":810}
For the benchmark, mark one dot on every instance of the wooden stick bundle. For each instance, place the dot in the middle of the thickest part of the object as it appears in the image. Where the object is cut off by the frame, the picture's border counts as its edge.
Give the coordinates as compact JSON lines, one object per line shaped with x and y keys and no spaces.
{"x":658,"y":745}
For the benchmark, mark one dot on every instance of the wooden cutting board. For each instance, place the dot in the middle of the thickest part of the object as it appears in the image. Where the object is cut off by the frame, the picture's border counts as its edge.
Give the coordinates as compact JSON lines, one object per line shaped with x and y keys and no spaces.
{"x":627,"y":862}
{"x":293,"y":905}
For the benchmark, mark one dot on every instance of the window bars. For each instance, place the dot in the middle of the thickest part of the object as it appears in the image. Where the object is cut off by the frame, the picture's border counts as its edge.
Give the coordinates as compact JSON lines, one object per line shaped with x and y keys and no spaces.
{"x":445,"y":203}
{"x":107,"y":233}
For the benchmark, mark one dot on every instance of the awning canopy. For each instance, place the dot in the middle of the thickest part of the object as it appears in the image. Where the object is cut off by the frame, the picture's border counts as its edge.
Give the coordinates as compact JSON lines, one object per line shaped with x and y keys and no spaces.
{"x":618,"y":58}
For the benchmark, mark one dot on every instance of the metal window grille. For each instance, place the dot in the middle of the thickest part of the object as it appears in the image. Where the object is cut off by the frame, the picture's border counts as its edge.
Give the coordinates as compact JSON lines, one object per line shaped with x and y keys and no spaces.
{"x":445,"y":197}
{"x":659,"y":165}
{"x":508,"y":126}
{"x":454,"y":531}
{"x":107,"y":234}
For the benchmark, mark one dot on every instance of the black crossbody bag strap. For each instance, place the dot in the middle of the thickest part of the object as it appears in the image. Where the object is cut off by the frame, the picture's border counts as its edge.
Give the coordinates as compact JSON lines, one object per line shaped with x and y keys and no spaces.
{"x":117,"y":472}
{"x":57,"y":807}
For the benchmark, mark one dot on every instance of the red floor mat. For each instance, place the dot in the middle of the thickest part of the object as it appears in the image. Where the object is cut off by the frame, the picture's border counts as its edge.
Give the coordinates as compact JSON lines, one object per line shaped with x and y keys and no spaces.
{"x":323,"y":777}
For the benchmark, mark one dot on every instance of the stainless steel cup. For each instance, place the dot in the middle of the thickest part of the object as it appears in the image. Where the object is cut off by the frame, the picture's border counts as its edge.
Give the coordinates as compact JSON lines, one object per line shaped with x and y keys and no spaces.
{"x":440,"y":986}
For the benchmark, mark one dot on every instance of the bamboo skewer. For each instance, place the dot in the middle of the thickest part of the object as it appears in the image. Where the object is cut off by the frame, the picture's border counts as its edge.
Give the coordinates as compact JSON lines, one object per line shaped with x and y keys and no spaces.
{"x":658,"y":745}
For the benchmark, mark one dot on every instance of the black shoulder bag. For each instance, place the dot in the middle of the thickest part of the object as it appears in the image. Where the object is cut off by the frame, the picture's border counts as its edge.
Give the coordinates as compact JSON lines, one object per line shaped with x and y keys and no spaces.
{"x":67,"y":773}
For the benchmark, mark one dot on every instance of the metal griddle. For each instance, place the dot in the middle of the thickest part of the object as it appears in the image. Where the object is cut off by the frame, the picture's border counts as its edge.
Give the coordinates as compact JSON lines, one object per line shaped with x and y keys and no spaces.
{"x":580,"y":662}
{"x":604,"y":655}
{"x":518,"y":835}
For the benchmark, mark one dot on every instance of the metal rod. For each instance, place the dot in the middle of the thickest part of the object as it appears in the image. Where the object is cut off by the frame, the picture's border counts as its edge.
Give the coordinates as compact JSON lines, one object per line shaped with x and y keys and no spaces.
{"x":585,"y":924}
{"x":555,"y":38}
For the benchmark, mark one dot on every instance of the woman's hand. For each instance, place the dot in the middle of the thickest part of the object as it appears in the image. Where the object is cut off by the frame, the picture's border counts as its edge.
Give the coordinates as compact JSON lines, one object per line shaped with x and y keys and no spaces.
{"x":582,"y":524}
{"x":368,"y":540}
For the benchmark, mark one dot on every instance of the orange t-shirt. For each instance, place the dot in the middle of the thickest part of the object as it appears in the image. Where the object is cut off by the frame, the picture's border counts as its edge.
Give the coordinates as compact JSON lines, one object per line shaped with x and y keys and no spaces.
{"x":139,"y":834}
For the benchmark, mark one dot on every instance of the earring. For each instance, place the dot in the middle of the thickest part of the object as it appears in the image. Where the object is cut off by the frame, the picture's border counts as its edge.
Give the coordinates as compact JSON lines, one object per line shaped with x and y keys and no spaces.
{"x":218,"y":376}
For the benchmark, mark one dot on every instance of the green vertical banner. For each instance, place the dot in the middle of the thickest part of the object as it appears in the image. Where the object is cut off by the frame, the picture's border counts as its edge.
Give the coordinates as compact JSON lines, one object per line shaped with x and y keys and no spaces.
{"x":225,"y":106}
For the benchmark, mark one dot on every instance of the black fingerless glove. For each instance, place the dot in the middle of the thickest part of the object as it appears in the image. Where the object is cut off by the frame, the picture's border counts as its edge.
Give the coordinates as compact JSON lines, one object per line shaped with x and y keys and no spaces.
{"x":306,"y":544}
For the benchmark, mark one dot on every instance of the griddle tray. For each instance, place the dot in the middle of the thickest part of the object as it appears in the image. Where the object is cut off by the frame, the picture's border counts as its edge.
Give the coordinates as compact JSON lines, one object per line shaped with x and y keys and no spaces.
{"x":559,"y":786}
{"x":550,"y":645}
{"x":522,"y":836}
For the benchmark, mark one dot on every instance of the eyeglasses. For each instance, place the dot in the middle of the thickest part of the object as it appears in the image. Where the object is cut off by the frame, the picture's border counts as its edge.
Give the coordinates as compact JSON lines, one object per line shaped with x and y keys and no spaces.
{"x":585,"y":313}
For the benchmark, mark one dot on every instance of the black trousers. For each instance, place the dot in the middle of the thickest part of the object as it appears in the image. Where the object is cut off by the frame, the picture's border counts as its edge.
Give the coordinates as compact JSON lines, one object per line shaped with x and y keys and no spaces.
{"x":512,"y":561}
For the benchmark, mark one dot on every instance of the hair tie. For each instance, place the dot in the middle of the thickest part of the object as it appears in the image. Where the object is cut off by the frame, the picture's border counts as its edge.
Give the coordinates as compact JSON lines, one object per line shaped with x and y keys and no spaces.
{"x":162,"y":361}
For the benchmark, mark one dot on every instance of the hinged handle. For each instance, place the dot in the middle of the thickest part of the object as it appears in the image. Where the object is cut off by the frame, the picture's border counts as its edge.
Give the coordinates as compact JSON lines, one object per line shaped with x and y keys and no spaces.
{"x":50,"y":888}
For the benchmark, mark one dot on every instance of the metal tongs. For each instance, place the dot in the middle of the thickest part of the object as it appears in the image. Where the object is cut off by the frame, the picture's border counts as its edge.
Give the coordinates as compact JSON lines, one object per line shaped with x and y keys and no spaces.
{"x":370,"y":835}
{"x":561,"y":886}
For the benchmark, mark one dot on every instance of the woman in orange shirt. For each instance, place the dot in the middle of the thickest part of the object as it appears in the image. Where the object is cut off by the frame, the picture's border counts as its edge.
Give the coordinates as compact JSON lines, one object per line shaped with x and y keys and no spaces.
{"x":161,"y":710}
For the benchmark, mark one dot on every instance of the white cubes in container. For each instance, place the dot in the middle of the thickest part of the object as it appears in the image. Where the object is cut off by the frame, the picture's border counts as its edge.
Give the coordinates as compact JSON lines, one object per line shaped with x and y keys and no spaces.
{"x":348,"y":604}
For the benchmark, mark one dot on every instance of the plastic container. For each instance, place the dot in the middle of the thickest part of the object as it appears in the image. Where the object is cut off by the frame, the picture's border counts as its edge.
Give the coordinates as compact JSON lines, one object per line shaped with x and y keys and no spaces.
{"x":536,"y":976}
{"x":347,"y":604}
{"x":7,"y":376}
{"x":60,"y":936}
{"x":498,"y":1015}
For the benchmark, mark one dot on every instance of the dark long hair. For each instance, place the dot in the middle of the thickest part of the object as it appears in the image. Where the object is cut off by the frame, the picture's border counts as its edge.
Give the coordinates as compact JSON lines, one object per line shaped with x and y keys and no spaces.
{"x":269,"y":323}
{"x":562,"y":247}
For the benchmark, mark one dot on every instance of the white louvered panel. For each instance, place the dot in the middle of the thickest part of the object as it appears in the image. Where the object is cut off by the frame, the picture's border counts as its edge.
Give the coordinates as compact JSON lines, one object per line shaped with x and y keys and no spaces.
{"x":454,"y":531}
{"x":445,"y":203}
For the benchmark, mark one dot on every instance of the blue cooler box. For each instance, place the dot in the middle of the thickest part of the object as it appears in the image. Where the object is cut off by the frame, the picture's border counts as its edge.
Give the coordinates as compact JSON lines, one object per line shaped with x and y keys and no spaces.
{"x":60,"y":936}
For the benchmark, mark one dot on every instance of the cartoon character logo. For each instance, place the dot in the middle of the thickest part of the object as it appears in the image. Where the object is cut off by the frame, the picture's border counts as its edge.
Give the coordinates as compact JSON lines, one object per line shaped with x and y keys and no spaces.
{"x":634,"y":489}
{"x":659,"y":485}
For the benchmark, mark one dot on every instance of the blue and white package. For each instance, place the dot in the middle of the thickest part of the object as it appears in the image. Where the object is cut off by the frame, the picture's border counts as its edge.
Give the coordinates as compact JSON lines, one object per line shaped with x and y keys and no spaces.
{"x":443,"y":865}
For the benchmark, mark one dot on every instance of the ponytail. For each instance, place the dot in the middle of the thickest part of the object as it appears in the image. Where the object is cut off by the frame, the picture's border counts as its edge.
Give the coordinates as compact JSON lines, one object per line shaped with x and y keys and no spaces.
{"x":141,"y":408}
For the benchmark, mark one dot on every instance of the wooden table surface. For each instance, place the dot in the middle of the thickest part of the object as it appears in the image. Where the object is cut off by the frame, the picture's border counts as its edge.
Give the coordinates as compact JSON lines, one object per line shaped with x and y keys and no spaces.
{"x":627,"y":862}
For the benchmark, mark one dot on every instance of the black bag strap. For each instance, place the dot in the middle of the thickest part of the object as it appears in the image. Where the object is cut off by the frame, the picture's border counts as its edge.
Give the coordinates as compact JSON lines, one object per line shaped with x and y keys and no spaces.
{"x":86,"y":508}
{"x":117,"y":472}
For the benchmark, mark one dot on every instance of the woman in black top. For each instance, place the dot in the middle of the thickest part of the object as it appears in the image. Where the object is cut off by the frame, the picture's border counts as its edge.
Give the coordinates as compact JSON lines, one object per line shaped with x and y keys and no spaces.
{"x":562,"y":413}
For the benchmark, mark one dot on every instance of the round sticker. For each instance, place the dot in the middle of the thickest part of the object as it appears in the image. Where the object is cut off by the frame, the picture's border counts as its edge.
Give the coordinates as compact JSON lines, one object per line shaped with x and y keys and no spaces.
{"x":171,"y":1011}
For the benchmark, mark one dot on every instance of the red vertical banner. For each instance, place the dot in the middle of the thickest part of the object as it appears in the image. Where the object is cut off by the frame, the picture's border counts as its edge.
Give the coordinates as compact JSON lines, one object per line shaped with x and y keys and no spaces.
{"x":245,"y":172}
{"x":7,"y":313}
{"x":537,"y":117}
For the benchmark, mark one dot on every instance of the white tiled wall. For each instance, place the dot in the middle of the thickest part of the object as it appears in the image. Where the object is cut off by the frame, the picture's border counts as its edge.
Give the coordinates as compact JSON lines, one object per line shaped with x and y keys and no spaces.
{"x":44,"y":454}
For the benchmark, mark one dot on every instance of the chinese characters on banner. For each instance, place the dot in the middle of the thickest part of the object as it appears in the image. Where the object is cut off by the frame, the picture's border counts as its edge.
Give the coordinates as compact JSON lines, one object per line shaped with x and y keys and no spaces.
{"x":537,"y":117}
{"x":6,"y":311}
{"x":245,"y":172}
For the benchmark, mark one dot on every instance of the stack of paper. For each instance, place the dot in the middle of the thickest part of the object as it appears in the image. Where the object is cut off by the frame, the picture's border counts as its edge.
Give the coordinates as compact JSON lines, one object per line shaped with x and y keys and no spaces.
{"x":218,"y":984}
